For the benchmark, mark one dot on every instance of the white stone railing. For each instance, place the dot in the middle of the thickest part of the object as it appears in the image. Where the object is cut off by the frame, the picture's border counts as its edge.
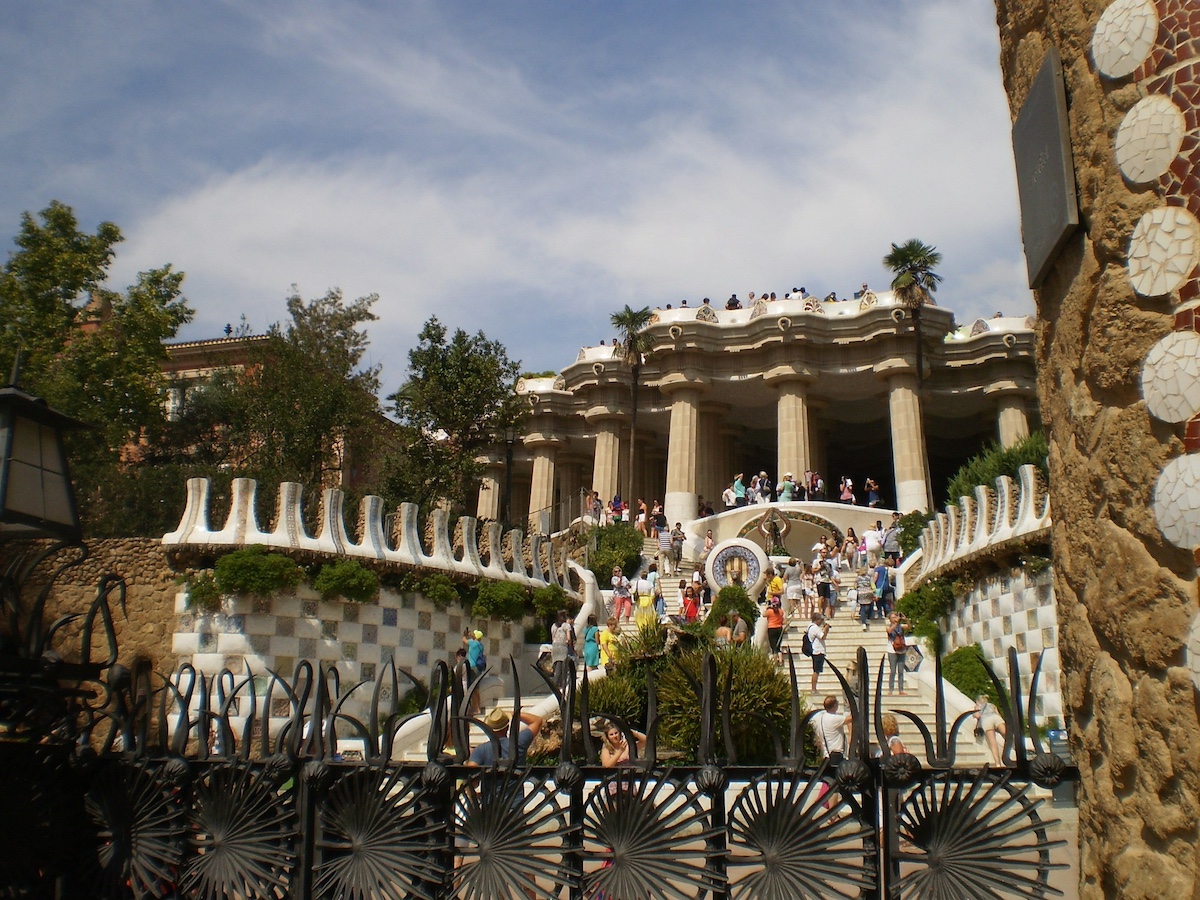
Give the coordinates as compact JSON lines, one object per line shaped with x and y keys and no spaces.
{"x":1016,"y":511}
{"x":531,"y":560}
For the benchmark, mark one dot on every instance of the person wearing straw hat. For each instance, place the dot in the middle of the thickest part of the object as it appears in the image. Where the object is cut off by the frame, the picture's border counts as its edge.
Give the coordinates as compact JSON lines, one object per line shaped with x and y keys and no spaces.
{"x":498,"y":722}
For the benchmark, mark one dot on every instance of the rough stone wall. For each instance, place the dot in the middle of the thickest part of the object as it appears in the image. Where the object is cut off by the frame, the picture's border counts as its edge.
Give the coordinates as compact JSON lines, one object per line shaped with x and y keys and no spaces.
{"x":1125,"y":594}
{"x":146,"y":628}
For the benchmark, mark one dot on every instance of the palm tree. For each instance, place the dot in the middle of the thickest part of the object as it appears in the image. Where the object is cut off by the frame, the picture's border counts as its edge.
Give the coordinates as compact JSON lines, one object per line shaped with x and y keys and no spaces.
{"x":629,"y":323}
{"x":914,"y":283}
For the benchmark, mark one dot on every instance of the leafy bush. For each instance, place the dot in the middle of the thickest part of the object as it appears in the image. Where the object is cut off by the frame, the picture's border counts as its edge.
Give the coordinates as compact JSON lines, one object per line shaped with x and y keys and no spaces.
{"x":549,"y":599}
{"x":252,"y":570}
{"x":926,"y":606}
{"x":995,"y":461}
{"x":202,"y":592}
{"x":616,"y":545}
{"x":347,"y":578}
{"x":622,"y":693}
{"x":911,"y":526}
{"x":731,"y":597}
{"x":439,"y":590}
{"x":758,"y":689}
{"x":537,"y":633}
{"x":500,"y":600}
{"x":415,"y":700}
{"x":966,"y":669}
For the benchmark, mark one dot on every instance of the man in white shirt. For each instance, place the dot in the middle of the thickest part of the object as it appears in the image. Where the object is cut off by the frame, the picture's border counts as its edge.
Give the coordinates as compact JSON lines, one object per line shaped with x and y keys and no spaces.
{"x":831,"y":731}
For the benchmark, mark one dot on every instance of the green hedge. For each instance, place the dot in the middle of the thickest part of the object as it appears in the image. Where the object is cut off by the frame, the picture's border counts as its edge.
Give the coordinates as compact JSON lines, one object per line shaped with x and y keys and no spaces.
{"x":995,"y":461}
{"x":348,"y":579}
{"x":500,"y":600}
{"x":966,"y":669}
{"x":926,"y":606}
{"x":728,"y":598}
{"x":616,"y":545}
{"x":254,"y":571}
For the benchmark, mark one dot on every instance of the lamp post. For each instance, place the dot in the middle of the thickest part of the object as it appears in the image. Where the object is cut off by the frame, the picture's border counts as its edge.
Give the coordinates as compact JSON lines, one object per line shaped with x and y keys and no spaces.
{"x":510,"y":438}
{"x":36,"y":497}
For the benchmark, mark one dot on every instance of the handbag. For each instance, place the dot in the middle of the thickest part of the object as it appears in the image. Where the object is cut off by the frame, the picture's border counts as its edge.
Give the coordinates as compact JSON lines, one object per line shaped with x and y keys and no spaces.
{"x":899,"y":644}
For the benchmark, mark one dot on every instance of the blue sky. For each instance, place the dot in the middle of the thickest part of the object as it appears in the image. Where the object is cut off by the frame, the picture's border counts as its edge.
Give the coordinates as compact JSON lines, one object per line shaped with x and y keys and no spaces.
{"x":525,"y":168}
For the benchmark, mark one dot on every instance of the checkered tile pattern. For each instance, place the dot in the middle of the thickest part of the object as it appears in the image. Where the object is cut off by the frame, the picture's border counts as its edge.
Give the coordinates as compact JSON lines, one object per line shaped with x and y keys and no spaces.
{"x":358,"y":638}
{"x":1011,"y":609}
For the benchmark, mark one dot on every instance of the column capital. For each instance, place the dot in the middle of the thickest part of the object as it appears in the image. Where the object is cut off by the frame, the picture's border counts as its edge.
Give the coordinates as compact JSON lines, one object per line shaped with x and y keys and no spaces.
{"x":777,"y":376}
{"x":540,"y":439}
{"x":895,"y":366}
{"x":601,"y":413}
{"x":1009,"y":387}
{"x":678,"y":381}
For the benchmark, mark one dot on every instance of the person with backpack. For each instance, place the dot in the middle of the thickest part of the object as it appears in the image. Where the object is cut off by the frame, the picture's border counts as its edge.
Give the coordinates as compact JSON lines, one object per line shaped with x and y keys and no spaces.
{"x":897,"y":650}
{"x":813,"y":645}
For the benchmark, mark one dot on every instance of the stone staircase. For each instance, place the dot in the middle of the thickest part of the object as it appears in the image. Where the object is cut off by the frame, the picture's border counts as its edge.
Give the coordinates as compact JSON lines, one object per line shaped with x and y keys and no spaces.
{"x":845,"y":637}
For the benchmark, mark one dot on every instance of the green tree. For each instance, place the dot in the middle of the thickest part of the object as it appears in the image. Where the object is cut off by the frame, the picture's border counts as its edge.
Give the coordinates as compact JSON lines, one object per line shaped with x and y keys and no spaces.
{"x":90,"y":351}
{"x":459,"y":398}
{"x":629,"y":323}
{"x":914,"y":282}
{"x":306,"y":407}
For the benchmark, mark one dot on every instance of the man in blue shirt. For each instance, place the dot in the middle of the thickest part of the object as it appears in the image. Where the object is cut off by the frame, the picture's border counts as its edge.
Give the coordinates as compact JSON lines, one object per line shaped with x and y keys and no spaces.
{"x":497,"y":720}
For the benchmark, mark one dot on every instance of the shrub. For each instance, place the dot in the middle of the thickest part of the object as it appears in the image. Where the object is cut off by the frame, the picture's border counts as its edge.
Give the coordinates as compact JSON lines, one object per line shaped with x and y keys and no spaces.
{"x":966,"y":669}
{"x":911,"y":526}
{"x":758,"y":687}
{"x":537,"y":633}
{"x":731,"y":597}
{"x":500,"y":600}
{"x":622,"y":693}
{"x":347,"y":578}
{"x":439,"y":590}
{"x":926,"y":606}
{"x":252,"y":570}
{"x":995,"y":461}
{"x":549,"y":599}
{"x":202,"y":592}
{"x":616,"y":545}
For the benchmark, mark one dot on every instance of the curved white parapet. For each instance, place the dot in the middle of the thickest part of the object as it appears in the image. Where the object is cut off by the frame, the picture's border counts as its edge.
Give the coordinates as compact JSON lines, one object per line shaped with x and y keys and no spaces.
{"x":333,"y":539}
{"x":1016,"y":512}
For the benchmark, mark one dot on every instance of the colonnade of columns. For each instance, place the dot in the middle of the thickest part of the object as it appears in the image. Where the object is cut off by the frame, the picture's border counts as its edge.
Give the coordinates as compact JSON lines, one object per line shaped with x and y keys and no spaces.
{"x":700,"y":456}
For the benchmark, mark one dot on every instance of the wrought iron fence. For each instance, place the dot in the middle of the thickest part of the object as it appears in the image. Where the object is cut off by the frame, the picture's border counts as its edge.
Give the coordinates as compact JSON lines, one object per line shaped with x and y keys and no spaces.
{"x":223,"y":787}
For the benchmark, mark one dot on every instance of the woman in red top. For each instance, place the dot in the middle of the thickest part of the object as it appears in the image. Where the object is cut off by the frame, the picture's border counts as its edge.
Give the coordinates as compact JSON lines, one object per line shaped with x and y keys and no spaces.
{"x":691,"y":606}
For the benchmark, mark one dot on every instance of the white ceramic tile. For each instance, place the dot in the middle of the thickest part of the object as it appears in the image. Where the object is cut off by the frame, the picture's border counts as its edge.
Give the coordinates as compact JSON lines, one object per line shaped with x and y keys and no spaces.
{"x":1149,"y":138}
{"x":1124,"y":37}
{"x":1171,"y":377}
{"x":1163,"y":250}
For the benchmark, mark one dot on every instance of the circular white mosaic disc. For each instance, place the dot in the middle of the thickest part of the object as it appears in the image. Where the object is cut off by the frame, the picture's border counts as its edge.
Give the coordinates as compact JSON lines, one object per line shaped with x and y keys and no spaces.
{"x":1171,"y":377}
{"x":1163,"y":251}
{"x":1193,"y":650}
{"x":1175,"y":501}
{"x":1149,"y":138}
{"x":1124,"y":37}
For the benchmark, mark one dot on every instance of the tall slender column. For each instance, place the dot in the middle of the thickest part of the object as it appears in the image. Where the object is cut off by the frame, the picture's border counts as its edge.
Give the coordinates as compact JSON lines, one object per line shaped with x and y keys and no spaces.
{"x":679,"y":503}
{"x":541,"y":488}
{"x":606,"y":468}
{"x":795,"y":455}
{"x":491,"y":491}
{"x":909,"y":460}
{"x":1012,"y":419}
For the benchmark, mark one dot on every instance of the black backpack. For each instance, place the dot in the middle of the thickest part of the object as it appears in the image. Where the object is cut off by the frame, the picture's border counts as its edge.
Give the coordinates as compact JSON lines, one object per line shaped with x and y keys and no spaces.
{"x":806,"y":644}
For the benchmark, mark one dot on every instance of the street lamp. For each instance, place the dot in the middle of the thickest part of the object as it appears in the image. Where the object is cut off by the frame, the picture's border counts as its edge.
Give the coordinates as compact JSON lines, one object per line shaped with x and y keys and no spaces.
{"x":510,"y":438}
{"x":36,"y":497}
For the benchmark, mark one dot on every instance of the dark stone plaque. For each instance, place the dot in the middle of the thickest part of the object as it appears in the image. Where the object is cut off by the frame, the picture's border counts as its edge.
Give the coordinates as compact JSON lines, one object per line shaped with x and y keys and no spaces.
{"x":1045,"y":172}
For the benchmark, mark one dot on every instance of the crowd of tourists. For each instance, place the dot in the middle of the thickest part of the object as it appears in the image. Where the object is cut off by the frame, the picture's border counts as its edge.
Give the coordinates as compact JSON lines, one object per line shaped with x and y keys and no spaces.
{"x":811,"y":486}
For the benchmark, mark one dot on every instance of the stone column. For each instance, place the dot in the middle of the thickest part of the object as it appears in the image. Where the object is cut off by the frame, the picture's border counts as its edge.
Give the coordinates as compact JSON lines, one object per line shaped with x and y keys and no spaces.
{"x":569,"y":472}
{"x":679,"y":501}
{"x":1012,"y":419}
{"x":491,"y":492}
{"x":541,"y":488}
{"x":909,"y":461}
{"x":606,"y":467}
{"x":710,"y":484}
{"x":795,"y":454}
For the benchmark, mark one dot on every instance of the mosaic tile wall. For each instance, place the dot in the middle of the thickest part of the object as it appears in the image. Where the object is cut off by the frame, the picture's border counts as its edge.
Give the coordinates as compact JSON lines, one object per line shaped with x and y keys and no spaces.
{"x":1014,"y":610}
{"x":1155,"y":44}
{"x":274,"y":633}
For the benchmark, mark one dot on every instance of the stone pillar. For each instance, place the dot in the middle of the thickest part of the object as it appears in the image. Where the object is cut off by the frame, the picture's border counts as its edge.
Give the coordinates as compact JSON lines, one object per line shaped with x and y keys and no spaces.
{"x":710,"y":484}
{"x":491,"y":492}
{"x":1012,"y":419}
{"x":679,"y":501}
{"x":795,"y":455}
{"x":909,"y":461}
{"x":606,"y":467}
{"x":569,"y":471}
{"x":541,"y":488}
